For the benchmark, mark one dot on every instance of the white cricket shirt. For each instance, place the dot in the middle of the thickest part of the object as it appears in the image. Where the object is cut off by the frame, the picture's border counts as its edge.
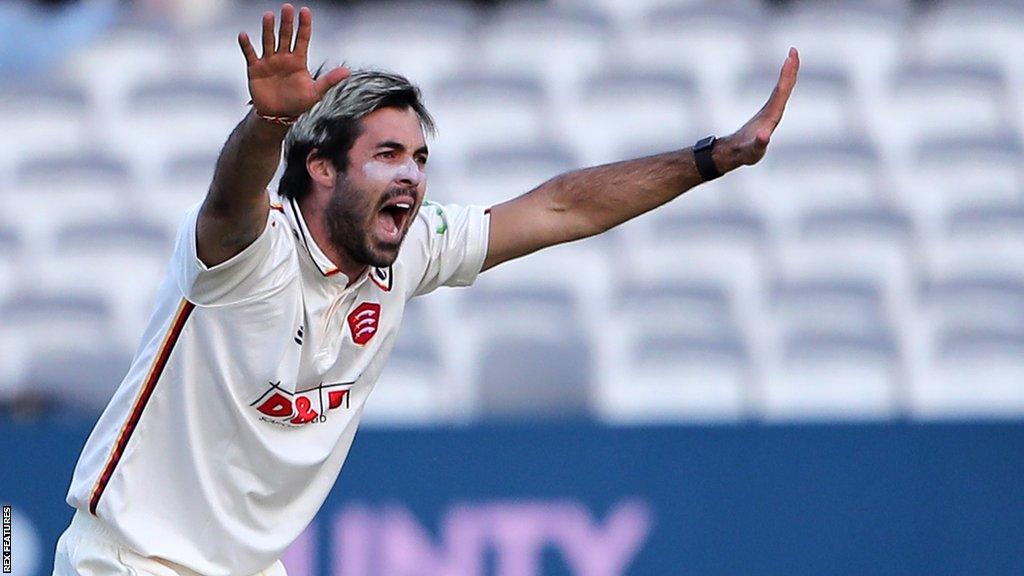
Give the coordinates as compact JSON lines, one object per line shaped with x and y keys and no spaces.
{"x":240,"y":405}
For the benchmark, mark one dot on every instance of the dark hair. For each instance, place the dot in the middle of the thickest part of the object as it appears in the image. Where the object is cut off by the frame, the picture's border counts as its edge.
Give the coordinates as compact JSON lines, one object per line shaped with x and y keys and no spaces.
{"x":332,"y":125}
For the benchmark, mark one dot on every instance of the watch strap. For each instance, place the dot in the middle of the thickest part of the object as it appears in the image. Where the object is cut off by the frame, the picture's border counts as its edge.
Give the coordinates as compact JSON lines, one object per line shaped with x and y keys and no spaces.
{"x":702,"y":157}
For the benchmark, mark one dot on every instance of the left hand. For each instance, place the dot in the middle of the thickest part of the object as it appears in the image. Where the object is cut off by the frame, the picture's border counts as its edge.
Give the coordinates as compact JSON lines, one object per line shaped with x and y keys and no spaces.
{"x":748,"y":144}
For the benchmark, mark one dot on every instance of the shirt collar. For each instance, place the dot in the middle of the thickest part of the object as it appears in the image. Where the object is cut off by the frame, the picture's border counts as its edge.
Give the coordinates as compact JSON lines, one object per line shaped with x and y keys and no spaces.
{"x":320,"y":260}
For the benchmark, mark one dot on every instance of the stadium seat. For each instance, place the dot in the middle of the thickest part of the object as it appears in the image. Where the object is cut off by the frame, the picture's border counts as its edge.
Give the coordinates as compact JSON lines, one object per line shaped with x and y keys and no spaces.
{"x":619,"y":109}
{"x":39,"y":118}
{"x":78,"y":381}
{"x":948,"y":175}
{"x":670,"y":378}
{"x":941,"y":102}
{"x":973,"y":374}
{"x":434,"y":39}
{"x":864,"y":39}
{"x":175,"y":116}
{"x":121,"y":261}
{"x":801,"y":178}
{"x":666,"y":35}
{"x":833,"y":376}
{"x":33,"y":322}
{"x":963,"y":33}
{"x":560,"y":47}
{"x":10,"y":259}
{"x":625,"y":15}
{"x":482,"y":111}
{"x":578,"y":275}
{"x":530,"y":378}
{"x":143,"y":54}
{"x":60,"y":188}
{"x":415,"y":387}
{"x":1003,"y":222}
{"x":494,"y":176}
{"x":183,"y":182}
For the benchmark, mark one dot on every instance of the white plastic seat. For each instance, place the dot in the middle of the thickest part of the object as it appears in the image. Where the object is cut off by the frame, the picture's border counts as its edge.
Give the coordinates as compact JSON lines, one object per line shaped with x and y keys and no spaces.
{"x":962,"y":33}
{"x":802,"y":178}
{"x":479,"y":112}
{"x":655,"y":45}
{"x":527,"y":378}
{"x":953,"y":174}
{"x":37,"y":119}
{"x":973,"y":374}
{"x":623,"y":109}
{"x":943,"y":102}
{"x":172,"y":117}
{"x":121,"y":261}
{"x":434,"y":39}
{"x":861,"y":38}
{"x":561,"y":47}
{"x":79,"y":381}
{"x":415,"y":388}
{"x":59,"y":189}
{"x":183,"y":182}
{"x":142,"y":55}
{"x":665,"y":377}
{"x":494,"y":176}
{"x":626,"y":15}
{"x":833,"y":377}
{"x":33,"y":322}
{"x":10,"y":260}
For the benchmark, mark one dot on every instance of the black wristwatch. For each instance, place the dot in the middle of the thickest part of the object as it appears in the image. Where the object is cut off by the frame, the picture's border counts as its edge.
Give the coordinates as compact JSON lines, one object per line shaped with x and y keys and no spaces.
{"x":702,"y":156}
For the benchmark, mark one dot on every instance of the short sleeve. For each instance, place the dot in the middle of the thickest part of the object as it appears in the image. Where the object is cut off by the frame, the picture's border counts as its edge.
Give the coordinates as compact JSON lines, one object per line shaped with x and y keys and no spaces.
{"x":446,"y":246}
{"x":257,"y":270}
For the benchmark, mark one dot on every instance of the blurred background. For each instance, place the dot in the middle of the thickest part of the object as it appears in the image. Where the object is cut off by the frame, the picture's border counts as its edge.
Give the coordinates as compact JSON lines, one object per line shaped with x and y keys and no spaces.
{"x":815,"y":365}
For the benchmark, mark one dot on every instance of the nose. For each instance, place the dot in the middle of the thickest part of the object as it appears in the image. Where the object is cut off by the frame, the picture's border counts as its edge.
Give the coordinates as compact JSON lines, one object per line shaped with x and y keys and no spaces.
{"x":409,"y":173}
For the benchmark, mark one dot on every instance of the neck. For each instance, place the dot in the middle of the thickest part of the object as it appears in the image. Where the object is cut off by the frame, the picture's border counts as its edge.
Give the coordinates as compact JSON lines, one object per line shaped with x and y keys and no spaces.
{"x":314,"y":213}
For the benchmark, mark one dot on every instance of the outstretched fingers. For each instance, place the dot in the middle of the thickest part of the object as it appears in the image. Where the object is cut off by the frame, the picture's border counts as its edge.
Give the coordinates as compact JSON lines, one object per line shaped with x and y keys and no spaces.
{"x":780,"y":95}
{"x":247,"y":50}
{"x":268,"y":34}
{"x":305,"y":31}
{"x":284,"y":40}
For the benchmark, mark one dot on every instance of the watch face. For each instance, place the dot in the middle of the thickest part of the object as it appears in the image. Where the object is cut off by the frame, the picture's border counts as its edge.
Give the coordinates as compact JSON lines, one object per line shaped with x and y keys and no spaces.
{"x":704,"y":143}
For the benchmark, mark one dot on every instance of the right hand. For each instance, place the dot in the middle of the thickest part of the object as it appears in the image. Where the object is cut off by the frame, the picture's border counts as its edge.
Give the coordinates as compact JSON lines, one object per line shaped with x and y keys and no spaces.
{"x":279,"y":81}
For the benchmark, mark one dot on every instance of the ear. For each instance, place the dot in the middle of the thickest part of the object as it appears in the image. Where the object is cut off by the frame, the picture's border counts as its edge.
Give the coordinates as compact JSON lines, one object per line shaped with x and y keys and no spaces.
{"x":321,"y":170}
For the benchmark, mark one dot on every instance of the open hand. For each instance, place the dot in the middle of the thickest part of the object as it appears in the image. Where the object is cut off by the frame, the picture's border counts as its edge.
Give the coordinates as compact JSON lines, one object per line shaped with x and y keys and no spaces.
{"x":279,"y":81}
{"x":748,"y":144}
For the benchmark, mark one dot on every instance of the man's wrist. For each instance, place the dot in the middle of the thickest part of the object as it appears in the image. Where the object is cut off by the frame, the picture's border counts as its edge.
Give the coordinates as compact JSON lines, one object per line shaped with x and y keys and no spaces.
{"x":726,"y":155}
{"x":266,"y":130}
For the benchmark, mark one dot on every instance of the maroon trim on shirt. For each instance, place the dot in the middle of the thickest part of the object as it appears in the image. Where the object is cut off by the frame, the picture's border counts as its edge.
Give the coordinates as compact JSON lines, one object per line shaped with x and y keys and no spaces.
{"x":184,"y":310}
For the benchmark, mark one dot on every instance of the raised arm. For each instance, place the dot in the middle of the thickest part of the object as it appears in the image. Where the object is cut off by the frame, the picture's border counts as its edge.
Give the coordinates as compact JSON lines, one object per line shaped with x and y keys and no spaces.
{"x":281,"y":87}
{"x":586,"y":202}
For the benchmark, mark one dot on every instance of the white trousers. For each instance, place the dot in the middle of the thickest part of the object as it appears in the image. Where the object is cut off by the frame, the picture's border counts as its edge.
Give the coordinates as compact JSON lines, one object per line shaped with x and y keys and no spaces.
{"x":87,"y":548}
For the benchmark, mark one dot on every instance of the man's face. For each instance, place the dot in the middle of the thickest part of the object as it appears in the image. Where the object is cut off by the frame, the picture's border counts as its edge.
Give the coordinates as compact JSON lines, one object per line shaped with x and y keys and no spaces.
{"x":375,"y":199}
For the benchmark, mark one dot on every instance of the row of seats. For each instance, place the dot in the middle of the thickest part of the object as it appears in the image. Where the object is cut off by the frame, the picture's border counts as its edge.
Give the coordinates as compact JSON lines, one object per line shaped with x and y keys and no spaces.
{"x":606,"y":113}
{"x":675,"y":359}
{"x":869,"y":267}
{"x":955,"y":190}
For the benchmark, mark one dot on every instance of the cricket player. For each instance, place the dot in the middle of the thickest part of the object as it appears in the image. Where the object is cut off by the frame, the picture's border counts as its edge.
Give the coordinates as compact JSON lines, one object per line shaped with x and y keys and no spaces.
{"x":274,"y":320}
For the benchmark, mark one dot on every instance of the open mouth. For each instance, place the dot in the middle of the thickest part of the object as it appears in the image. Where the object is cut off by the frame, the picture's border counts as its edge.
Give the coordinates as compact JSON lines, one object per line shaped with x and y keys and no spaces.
{"x":393,"y":216}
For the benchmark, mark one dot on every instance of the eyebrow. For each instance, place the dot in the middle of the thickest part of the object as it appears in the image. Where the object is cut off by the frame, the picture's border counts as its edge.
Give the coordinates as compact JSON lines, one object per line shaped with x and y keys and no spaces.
{"x":392,"y":144}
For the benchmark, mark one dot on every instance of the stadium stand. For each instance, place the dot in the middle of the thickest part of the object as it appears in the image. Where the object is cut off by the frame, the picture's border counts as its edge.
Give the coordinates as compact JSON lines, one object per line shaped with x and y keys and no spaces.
{"x":869,"y":268}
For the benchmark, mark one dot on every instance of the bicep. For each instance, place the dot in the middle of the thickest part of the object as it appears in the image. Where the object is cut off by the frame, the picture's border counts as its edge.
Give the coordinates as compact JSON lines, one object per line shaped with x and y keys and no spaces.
{"x":529,"y":223}
{"x":223,"y":232}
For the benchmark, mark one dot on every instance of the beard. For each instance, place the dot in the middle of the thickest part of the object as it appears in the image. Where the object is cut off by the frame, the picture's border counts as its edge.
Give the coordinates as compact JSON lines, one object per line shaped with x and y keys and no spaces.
{"x":350,"y":225}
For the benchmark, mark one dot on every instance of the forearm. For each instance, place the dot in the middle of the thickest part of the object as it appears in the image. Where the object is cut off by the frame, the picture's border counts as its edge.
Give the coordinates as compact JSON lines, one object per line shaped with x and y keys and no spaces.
{"x":593,"y":200}
{"x":246,"y":165}
{"x":236,"y":205}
